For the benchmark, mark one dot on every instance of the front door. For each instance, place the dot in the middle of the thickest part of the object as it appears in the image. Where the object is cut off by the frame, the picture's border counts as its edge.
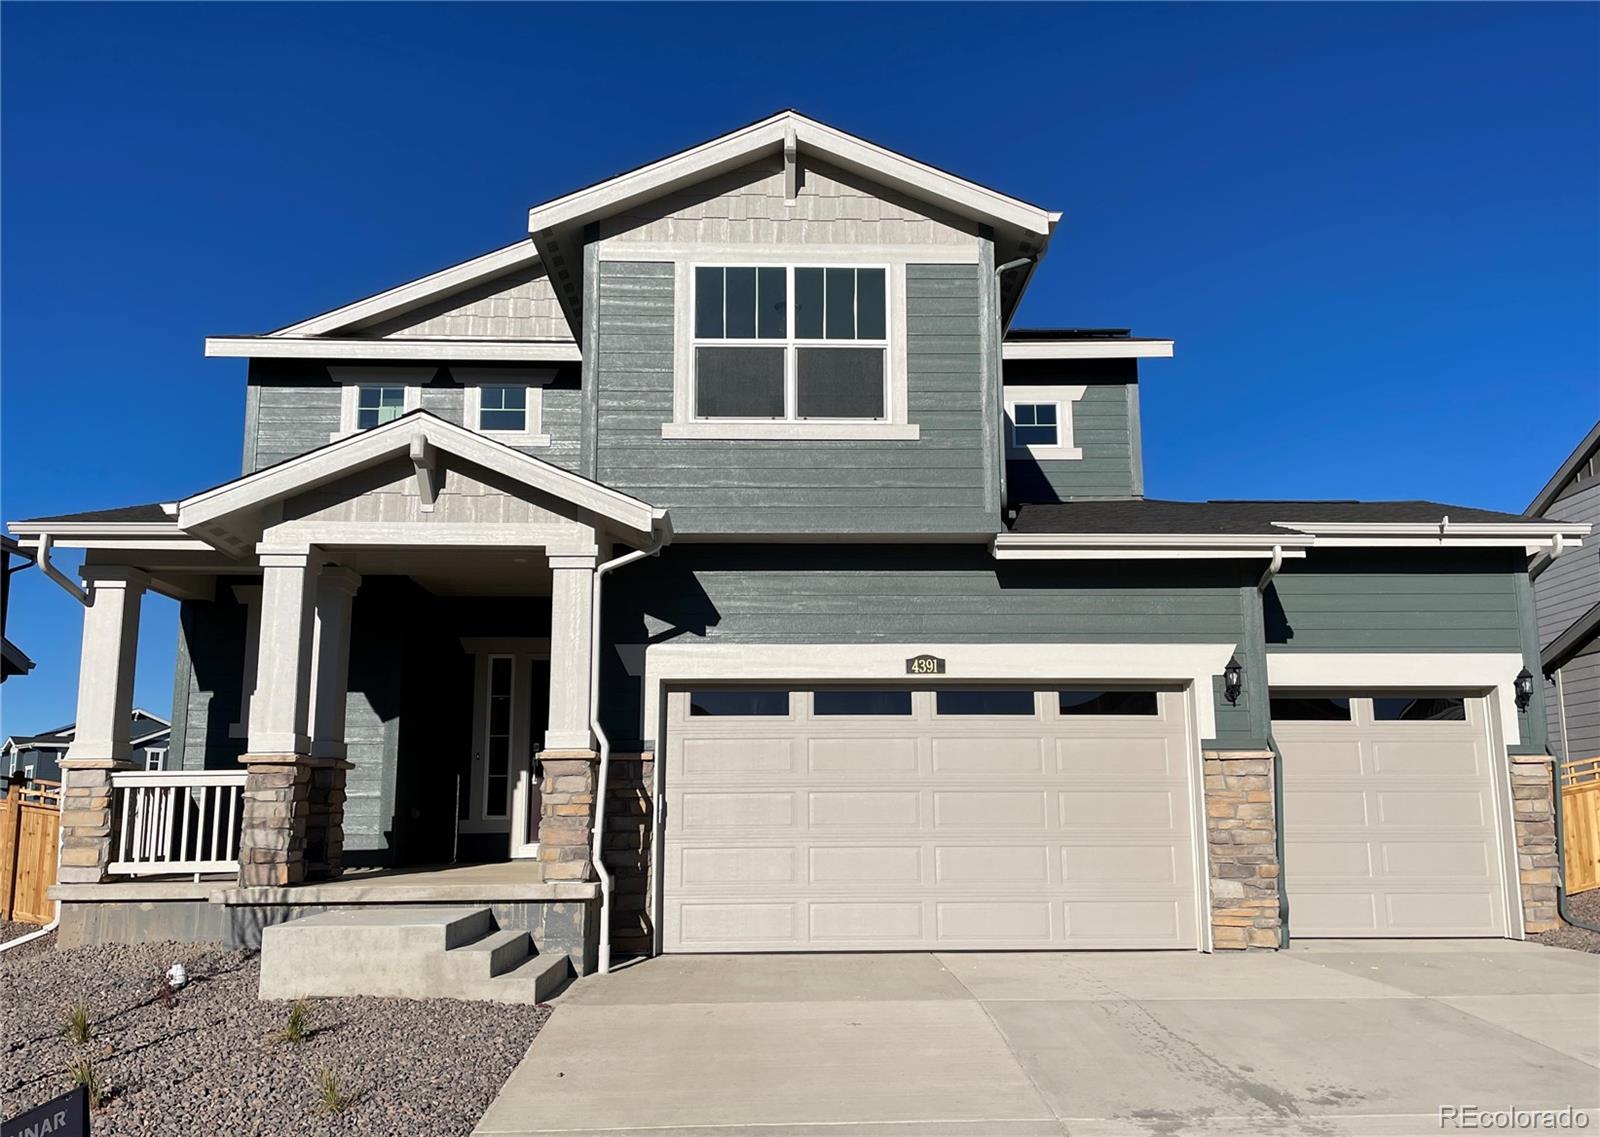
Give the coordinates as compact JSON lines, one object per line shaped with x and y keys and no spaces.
{"x":499,"y":808}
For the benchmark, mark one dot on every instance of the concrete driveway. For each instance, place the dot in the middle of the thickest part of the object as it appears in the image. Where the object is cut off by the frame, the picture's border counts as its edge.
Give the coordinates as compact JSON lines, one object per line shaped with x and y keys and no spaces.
{"x":1331,"y":1038}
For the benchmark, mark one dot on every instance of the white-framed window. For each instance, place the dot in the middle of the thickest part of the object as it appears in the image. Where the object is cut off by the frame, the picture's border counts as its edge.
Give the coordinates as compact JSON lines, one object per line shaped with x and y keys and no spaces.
{"x":1039,"y":421}
{"x":372,"y":396}
{"x":505,"y":403}
{"x":27,"y":771}
{"x":791,"y":343}
{"x":155,"y":758}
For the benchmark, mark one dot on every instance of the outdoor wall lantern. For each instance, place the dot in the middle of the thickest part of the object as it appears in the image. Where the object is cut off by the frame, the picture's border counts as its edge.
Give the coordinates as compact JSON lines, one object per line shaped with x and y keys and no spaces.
{"x":1232,"y":677}
{"x":1524,"y":687}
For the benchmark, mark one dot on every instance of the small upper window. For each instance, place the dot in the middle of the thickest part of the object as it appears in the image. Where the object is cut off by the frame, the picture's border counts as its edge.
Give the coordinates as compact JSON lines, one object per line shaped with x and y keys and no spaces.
{"x":1107,"y":702}
{"x":743,"y":704}
{"x":155,"y":758}
{"x":984,"y":701}
{"x":1309,"y":708}
{"x":378,"y":403}
{"x":1407,"y":708}
{"x":1035,"y":424}
{"x":860,"y":702}
{"x":502,"y":408}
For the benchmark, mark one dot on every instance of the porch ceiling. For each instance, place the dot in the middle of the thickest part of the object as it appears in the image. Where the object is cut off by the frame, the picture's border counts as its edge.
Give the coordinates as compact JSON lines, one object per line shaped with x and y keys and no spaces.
{"x":456,"y":572}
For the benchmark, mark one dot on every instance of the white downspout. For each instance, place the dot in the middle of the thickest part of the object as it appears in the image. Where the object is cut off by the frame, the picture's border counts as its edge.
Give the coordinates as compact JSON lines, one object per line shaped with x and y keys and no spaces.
{"x":603,"y":743}
{"x":1272,"y":568}
{"x":46,"y":566}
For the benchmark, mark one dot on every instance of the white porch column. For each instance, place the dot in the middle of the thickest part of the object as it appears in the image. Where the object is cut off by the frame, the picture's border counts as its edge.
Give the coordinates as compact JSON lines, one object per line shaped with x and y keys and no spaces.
{"x":280,"y":711}
{"x":571,"y":625}
{"x":105,"y":673}
{"x":105,"y":712}
{"x":330,"y":670}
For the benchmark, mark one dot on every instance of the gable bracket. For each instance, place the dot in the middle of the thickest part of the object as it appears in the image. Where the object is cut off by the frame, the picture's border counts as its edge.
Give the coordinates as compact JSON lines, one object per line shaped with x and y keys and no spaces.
{"x":791,"y":165}
{"x":424,"y":459}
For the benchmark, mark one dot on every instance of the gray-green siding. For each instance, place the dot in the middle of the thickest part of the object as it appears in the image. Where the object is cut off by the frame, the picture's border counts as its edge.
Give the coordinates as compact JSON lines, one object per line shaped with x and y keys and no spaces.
{"x":1409,"y":601}
{"x":1105,"y":426}
{"x":292,"y":406}
{"x":934,"y":485}
{"x":930,"y":593}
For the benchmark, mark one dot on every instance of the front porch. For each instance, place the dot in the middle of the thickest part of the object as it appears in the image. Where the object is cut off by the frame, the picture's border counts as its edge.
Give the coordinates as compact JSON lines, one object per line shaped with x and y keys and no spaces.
{"x":439,"y":587}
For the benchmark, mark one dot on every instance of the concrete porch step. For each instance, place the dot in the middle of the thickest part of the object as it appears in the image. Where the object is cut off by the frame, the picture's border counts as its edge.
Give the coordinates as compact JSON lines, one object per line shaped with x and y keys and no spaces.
{"x":409,"y":953}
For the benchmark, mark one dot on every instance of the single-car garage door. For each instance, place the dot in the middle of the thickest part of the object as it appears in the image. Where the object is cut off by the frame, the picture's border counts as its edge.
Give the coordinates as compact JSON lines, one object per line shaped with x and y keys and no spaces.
{"x":850,"y":819}
{"x":1391,"y":825}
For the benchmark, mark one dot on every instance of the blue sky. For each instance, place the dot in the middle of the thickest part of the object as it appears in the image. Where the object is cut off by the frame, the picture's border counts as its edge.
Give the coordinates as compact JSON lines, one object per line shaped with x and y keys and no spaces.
{"x":1372,"y":229}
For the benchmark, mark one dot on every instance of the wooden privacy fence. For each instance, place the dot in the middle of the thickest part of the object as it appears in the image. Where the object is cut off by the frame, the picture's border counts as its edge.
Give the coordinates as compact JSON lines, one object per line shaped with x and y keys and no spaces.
{"x":1580,"y":816}
{"x":30,"y":828}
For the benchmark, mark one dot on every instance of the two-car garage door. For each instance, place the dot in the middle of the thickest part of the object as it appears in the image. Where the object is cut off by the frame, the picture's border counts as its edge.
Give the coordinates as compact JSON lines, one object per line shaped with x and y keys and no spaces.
{"x":849,"y":819}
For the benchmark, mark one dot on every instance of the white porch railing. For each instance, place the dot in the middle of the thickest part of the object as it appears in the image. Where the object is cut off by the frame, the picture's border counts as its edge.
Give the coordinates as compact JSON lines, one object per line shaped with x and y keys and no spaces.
{"x":176,"y":821}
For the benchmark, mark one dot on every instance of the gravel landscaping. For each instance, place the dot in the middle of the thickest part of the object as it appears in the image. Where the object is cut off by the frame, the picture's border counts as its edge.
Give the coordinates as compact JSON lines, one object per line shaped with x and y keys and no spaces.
{"x":1585,"y":906}
{"x":11,"y":930}
{"x":211,"y":1062}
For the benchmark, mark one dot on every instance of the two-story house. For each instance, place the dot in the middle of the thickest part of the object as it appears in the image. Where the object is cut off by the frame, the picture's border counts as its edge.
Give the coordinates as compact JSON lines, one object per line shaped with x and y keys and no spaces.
{"x":721,"y":560}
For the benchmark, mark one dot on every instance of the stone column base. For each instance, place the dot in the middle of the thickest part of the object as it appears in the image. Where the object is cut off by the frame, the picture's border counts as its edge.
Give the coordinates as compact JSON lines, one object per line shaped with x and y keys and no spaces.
{"x":566,"y":813}
{"x":87,"y":818}
{"x":325,"y":822}
{"x":1533,"y":814}
{"x":277,"y":807}
{"x":1242,"y":842}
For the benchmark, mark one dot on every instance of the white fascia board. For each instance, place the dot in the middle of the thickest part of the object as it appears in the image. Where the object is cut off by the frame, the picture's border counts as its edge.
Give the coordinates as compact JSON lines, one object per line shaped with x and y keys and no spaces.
{"x":395,"y":438}
{"x":1088,"y":349}
{"x":1444,"y":527}
{"x":416,"y":292}
{"x":136,"y":537}
{"x":1144,"y":546}
{"x":443,"y":350}
{"x":742,"y":146}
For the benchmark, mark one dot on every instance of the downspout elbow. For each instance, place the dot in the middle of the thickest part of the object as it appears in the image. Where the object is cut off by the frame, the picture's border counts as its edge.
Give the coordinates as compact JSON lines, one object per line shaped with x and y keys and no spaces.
{"x":51,"y":572}
{"x":1272,"y":568}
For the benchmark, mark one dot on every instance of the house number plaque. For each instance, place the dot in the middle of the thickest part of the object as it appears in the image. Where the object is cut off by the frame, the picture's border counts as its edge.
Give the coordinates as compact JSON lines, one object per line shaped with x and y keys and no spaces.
{"x":925,"y":665}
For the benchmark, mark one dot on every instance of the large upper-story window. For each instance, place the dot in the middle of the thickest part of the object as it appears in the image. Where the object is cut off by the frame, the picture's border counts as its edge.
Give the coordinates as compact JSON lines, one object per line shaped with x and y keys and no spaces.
{"x":796,"y":343}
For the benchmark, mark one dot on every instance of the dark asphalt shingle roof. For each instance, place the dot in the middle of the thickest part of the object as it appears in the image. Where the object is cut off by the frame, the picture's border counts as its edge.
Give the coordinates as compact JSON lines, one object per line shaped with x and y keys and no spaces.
{"x":150,"y":511}
{"x":1149,"y":515}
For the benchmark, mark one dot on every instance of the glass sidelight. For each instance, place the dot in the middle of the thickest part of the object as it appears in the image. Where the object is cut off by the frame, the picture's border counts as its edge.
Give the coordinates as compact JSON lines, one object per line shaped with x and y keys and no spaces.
{"x":497,"y":736}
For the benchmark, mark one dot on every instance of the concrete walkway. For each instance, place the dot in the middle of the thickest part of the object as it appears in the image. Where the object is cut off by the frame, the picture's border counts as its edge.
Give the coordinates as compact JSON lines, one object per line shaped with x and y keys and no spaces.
{"x":1332,"y":1038}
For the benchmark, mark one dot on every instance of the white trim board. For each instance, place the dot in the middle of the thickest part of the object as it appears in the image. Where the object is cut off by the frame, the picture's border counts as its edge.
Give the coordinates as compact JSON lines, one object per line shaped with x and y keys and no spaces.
{"x":678,"y":663}
{"x":442,"y":350}
{"x":1087,"y":349}
{"x":1494,"y":673}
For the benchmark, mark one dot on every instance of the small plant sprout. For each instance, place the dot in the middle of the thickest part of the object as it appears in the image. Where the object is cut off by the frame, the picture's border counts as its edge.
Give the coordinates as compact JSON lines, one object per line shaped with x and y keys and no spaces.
{"x":77,"y":1025}
{"x":85,"y":1073}
{"x":295,"y":1029}
{"x":335,"y":1097}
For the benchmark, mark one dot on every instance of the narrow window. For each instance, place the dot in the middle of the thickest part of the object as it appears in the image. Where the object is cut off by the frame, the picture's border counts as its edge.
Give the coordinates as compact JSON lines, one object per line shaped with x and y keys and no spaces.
{"x":497,"y":737}
{"x":503,"y":407}
{"x":155,"y":758}
{"x":377,"y":404}
{"x":1309,"y":708}
{"x":855,"y":702}
{"x":984,"y":701}
{"x":1035,"y":424}
{"x":1107,"y":702}
{"x":738,"y":704}
{"x":1419,"y":708}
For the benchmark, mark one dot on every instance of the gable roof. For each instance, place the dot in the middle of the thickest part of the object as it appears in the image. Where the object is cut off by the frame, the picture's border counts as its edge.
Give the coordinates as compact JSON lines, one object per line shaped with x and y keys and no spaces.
{"x":1572,"y":642}
{"x":221,"y":515}
{"x":1581,"y":460}
{"x":1021,"y":229}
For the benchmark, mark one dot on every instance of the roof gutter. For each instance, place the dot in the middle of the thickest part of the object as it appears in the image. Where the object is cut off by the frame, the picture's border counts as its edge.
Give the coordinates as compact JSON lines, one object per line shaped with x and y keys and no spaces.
{"x":1272,"y":571}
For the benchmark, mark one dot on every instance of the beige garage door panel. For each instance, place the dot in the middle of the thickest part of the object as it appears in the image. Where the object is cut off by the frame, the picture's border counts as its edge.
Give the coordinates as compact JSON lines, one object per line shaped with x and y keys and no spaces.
{"x":843,"y":833}
{"x":1390,"y":828}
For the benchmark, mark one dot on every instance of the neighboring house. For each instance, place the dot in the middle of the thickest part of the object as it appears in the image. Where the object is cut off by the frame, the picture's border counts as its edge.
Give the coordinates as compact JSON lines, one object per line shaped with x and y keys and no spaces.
{"x":38,"y":756}
{"x":914,"y":663}
{"x":13,"y":660}
{"x":1567,"y":589}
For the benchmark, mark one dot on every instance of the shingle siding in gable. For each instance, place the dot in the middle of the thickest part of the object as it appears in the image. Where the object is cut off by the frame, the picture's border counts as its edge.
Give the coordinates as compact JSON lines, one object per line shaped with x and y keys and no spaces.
{"x":935,"y":484}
